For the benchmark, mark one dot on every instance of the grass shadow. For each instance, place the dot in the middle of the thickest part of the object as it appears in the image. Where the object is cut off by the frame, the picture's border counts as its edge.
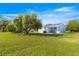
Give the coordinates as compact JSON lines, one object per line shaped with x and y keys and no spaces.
{"x":42,"y":34}
{"x":39,"y":34}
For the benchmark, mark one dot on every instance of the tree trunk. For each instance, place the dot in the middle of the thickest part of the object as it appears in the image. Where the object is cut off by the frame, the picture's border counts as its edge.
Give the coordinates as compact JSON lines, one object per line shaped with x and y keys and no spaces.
{"x":26,"y":31}
{"x":71,"y":30}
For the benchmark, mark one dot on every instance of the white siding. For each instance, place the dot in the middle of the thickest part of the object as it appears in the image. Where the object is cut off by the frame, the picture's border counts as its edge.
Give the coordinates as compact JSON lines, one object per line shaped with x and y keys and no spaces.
{"x":41,"y":30}
{"x":60,"y":28}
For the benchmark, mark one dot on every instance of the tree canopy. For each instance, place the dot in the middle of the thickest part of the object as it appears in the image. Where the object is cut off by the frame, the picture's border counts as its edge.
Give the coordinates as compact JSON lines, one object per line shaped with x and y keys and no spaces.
{"x":26,"y":22}
{"x":3,"y":24}
{"x":72,"y":25}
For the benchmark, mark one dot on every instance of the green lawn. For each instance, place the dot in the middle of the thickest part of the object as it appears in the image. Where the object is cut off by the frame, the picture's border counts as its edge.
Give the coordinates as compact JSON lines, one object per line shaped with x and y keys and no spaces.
{"x":12,"y":44}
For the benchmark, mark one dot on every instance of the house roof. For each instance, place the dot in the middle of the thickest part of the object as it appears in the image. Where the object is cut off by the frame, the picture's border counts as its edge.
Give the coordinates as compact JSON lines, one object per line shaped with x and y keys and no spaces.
{"x":54,"y":25}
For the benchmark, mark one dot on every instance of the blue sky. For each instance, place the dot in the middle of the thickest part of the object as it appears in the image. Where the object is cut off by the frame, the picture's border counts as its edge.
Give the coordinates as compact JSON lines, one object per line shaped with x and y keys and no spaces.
{"x":47,"y":12}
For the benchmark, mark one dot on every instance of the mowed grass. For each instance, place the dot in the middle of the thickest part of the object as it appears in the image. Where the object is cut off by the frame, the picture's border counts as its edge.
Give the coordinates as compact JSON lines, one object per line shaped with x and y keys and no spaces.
{"x":13,"y":44}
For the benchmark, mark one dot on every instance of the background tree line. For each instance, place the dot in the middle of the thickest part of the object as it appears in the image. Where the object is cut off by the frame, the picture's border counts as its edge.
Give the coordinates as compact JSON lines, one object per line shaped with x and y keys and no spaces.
{"x":73,"y":26}
{"x":21,"y":23}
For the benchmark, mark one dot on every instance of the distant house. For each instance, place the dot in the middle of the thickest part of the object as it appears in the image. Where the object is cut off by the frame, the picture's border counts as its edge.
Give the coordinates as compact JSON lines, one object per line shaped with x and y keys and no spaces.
{"x":52,"y":28}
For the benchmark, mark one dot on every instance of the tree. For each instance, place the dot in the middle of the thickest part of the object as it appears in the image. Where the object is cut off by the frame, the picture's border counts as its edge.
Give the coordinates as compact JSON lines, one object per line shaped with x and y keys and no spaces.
{"x":17,"y":22}
{"x":29,"y":22}
{"x":26,"y":22}
{"x":38,"y":25}
{"x":10,"y":27}
{"x":36,"y":22}
{"x":72,"y":25}
{"x":3,"y":24}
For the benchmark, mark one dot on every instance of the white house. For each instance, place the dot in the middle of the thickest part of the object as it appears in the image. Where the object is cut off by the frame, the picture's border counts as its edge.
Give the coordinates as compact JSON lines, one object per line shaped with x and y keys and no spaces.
{"x":52,"y":28}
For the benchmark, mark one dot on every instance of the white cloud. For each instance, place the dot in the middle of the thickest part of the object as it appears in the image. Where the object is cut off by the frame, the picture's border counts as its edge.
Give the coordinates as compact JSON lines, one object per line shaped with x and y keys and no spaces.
{"x":63,"y":16}
{"x":47,"y":15}
{"x":50,"y":15}
{"x":60,"y":15}
{"x":65,"y":9}
{"x":9,"y":16}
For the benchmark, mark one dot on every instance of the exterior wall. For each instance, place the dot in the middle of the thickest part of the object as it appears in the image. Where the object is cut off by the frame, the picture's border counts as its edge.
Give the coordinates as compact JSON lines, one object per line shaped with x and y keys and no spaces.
{"x":51,"y":30}
{"x":41,"y":30}
{"x":59,"y":29}
{"x":62,"y":28}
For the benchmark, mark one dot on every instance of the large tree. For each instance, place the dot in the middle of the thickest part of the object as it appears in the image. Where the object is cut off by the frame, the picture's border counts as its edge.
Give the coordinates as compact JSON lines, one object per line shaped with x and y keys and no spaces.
{"x":38,"y":25}
{"x":72,"y":25}
{"x":10,"y":27}
{"x":3,"y":24}
{"x":26,"y":22}
{"x":29,"y":22}
{"x":17,"y":21}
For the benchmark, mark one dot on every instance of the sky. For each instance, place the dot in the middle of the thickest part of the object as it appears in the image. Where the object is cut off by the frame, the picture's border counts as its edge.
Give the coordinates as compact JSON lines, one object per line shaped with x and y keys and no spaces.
{"x":48,"y":13}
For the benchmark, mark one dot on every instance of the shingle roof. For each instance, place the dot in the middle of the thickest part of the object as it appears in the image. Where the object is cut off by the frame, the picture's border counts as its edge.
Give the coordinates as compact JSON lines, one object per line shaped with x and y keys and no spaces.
{"x":54,"y":25}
